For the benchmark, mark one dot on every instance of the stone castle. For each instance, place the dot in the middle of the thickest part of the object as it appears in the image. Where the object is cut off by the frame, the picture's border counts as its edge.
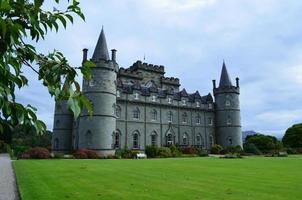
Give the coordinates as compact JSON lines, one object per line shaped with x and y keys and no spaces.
{"x":139,"y":106}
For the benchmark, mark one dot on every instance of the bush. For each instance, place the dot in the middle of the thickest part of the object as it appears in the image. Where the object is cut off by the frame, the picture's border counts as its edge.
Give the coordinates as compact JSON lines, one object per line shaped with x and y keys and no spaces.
{"x":232,"y":155}
{"x":291,"y":150}
{"x":125,"y":153}
{"x":19,"y":150}
{"x":189,"y":150}
{"x":164,"y":152}
{"x":175,"y":151}
{"x":151,"y":151}
{"x":37,"y":153}
{"x":202,"y":153}
{"x":233,"y":149}
{"x":251,"y":149}
{"x":57,"y":155}
{"x":86,"y":154}
{"x":216,"y":149}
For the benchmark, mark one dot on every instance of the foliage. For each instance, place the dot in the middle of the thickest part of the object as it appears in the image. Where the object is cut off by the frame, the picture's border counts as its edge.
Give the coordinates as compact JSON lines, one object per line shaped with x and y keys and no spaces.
{"x":265,"y":143}
{"x":86,"y":154}
{"x":189,"y":150}
{"x":233,"y":149}
{"x":3,"y":147}
{"x":151,"y":151}
{"x":216,"y":149}
{"x":23,"y":23}
{"x":175,"y":151}
{"x":251,"y":149}
{"x":202,"y":153}
{"x":38,"y":153}
{"x":125,"y":153}
{"x":164,"y":152}
{"x":293,"y":136}
{"x":20,"y":149}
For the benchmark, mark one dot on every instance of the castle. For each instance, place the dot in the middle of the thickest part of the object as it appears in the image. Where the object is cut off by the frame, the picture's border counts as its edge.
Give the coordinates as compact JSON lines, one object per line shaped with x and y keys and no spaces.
{"x":139,"y":106}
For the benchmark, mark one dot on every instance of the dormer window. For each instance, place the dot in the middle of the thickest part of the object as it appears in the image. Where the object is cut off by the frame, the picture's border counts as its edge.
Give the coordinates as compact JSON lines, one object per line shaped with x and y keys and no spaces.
{"x":118,"y":93}
{"x":169,"y":100}
{"x":197,"y":104}
{"x":183,"y":102}
{"x":153,"y":98}
{"x":210,"y":106}
{"x":136,"y":96}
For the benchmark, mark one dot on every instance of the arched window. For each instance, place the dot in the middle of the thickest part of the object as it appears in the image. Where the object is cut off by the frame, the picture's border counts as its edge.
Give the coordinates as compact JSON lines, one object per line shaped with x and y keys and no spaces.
{"x":135,"y":140}
{"x":153,"y":138}
{"x":56,"y":143}
{"x":154,"y":115}
{"x":230,"y":140}
{"x":211,"y":140}
{"x":117,"y":139}
{"x":198,"y":119}
{"x":170,"y":116}
{"x":229,"y":120}
{"x":136,"y":113}
{"x":118,"y":111}
{"x":169,"y":139}
{"x":184,"y":117}
{"x":88,"y":139}
{"x":185,"y":139}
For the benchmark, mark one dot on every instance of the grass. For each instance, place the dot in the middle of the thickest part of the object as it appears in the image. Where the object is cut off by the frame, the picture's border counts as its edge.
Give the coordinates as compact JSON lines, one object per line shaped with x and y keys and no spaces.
{"x":184,"y":178}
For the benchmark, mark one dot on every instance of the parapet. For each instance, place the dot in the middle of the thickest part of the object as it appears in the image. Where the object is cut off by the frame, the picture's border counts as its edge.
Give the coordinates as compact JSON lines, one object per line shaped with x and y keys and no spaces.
{"x":170,"y":81}
{"x":148,"y":67}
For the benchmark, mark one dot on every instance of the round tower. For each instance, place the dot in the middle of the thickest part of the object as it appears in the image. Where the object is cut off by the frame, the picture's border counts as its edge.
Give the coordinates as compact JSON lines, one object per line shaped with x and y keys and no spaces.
{"x":227,"y":111}
{"x":62,"y":128}
{"x":96,"y":131}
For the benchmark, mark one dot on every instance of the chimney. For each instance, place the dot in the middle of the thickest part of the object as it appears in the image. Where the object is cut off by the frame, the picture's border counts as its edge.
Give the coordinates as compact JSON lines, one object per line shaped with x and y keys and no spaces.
{"x":84,"y":54}
{"x":113,"y":55}
{"x":237,"y":82}
{"x":214,"y":84}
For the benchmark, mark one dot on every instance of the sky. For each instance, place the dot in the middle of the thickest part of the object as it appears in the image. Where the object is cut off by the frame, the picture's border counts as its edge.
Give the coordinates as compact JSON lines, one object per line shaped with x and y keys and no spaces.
{"x":260,"y":41}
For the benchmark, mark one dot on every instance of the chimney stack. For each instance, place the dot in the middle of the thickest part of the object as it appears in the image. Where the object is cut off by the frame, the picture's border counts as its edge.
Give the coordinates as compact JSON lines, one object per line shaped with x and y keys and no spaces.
{"x":214,"y":84}
{"x":113,"y":55}
{"x":84,"y":54}
{"x":237,"y":82}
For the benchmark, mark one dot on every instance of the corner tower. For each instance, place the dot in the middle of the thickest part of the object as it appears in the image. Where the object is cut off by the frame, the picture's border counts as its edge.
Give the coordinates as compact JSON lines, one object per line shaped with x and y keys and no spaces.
{"x":96,"y":131}
{"x":227,"y":111}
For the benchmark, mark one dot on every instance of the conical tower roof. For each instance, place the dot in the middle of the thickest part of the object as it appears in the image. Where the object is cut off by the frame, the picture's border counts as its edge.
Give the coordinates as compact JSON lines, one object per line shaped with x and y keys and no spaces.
{"x":101,"y":50}
{"x":225,"y":80}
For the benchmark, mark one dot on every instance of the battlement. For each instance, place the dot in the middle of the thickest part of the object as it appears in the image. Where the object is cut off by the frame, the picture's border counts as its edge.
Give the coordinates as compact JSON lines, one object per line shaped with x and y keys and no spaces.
{"x":129,"y":73}
{"x":230,"y":89}
{"x":170,"y":81}
{"x":148,"y":67}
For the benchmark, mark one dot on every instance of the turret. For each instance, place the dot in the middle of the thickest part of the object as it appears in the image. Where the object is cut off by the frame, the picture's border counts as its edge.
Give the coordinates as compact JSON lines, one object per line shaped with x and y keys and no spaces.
{"x":227,"y":112}
{"x":62,"y":128}
{"x":96,"y":131}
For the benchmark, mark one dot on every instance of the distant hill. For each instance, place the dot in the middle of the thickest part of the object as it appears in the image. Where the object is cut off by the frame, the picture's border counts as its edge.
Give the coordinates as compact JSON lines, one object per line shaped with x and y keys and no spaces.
{"x":246,"y":133}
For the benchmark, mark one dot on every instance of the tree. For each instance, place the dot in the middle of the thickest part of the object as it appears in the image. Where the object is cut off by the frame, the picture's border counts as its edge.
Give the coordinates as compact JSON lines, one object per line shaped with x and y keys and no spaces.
{"x":22,"y":23}
{"x":265,"y":143}
{"x":293,"y":136}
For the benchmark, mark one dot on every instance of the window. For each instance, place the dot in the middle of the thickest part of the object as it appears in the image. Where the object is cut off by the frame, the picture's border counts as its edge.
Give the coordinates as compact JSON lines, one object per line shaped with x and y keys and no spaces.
{"x":88,"y":138}
{"x":136,"y":113}
{"x":229,"y":140}
{"x":229,"y":120}
{"x":227,"y":103}
{"x":118,"y":93}
{"x":211,"y":140}
{"x":169,"y":139}
{"x":116,"y":138}
{"x":197,"y":104}
{"x":118,"y":112}
{"x":135,"y":140}
{"x":210,"y":121}
{"x":198,"y":140}
{"x":185,"y":139}
{"x":136,"y":96}
{"x":170,"y":116}
{"x":198,"y":119}
{"x":56,"y":143}
{"x":154,"y":115}
{"x":210,"y":106}
{"x":183,"y":102}
{"x":153,"y":98}
{"x":169,"y":100}
{"x":184,"y":118}
{"x":154,"y":139}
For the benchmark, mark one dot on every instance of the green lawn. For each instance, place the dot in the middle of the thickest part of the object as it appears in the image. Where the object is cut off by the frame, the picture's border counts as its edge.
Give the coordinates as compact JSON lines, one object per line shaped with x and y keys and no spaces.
{"x":254,"y":178}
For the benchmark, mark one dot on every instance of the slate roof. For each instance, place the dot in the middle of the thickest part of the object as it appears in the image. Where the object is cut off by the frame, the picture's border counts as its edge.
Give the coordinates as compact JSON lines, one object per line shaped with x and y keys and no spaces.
{"x":225,"y":80}
{"x":101,"y":50}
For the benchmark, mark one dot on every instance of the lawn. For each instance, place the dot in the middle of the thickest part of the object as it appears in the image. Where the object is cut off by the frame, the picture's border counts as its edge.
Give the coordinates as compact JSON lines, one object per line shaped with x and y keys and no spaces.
{"x":184,"y":178}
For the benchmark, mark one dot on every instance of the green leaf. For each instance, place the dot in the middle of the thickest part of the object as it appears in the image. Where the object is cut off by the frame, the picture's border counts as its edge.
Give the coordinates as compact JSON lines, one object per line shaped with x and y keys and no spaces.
{"x":74,"y":106}
{"x":63,"y":20}
{"x":69,"y":17}
{"x":87,"y":104}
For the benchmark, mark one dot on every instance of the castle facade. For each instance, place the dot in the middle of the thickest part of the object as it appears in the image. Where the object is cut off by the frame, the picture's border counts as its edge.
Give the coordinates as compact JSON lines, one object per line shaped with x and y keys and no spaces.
{"x":139,"y":106}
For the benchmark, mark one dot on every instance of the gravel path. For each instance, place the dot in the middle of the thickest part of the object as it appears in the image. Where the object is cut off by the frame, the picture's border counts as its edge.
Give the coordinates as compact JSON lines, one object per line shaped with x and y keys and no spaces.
{"x":7,"y":179}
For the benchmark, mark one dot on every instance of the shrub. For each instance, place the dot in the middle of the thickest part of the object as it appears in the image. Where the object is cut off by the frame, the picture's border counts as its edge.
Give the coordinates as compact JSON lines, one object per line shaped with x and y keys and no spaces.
{"x":164,"y":152}
{"x":38,"y":153}
{"x":216,"y":149}
{"x":175,"y":151}
{"x":189,"y":150}
{"x":125,"y":153}
{"x":251,"y":149}
{"x":202,"y":153}
{"x":291,"y":150}
{"x":232,"y":155}
{"x":58,"y":155}
{"x":86,"y":154}
{"x":233,"y":149}
{"x":151,"y":151}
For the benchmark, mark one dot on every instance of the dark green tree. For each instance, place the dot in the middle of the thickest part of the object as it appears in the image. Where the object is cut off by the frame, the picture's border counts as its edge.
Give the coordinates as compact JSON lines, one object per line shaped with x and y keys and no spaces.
{"x":23,"y":23}
{"x":293,"y":136}
{"x":265,"y":143}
